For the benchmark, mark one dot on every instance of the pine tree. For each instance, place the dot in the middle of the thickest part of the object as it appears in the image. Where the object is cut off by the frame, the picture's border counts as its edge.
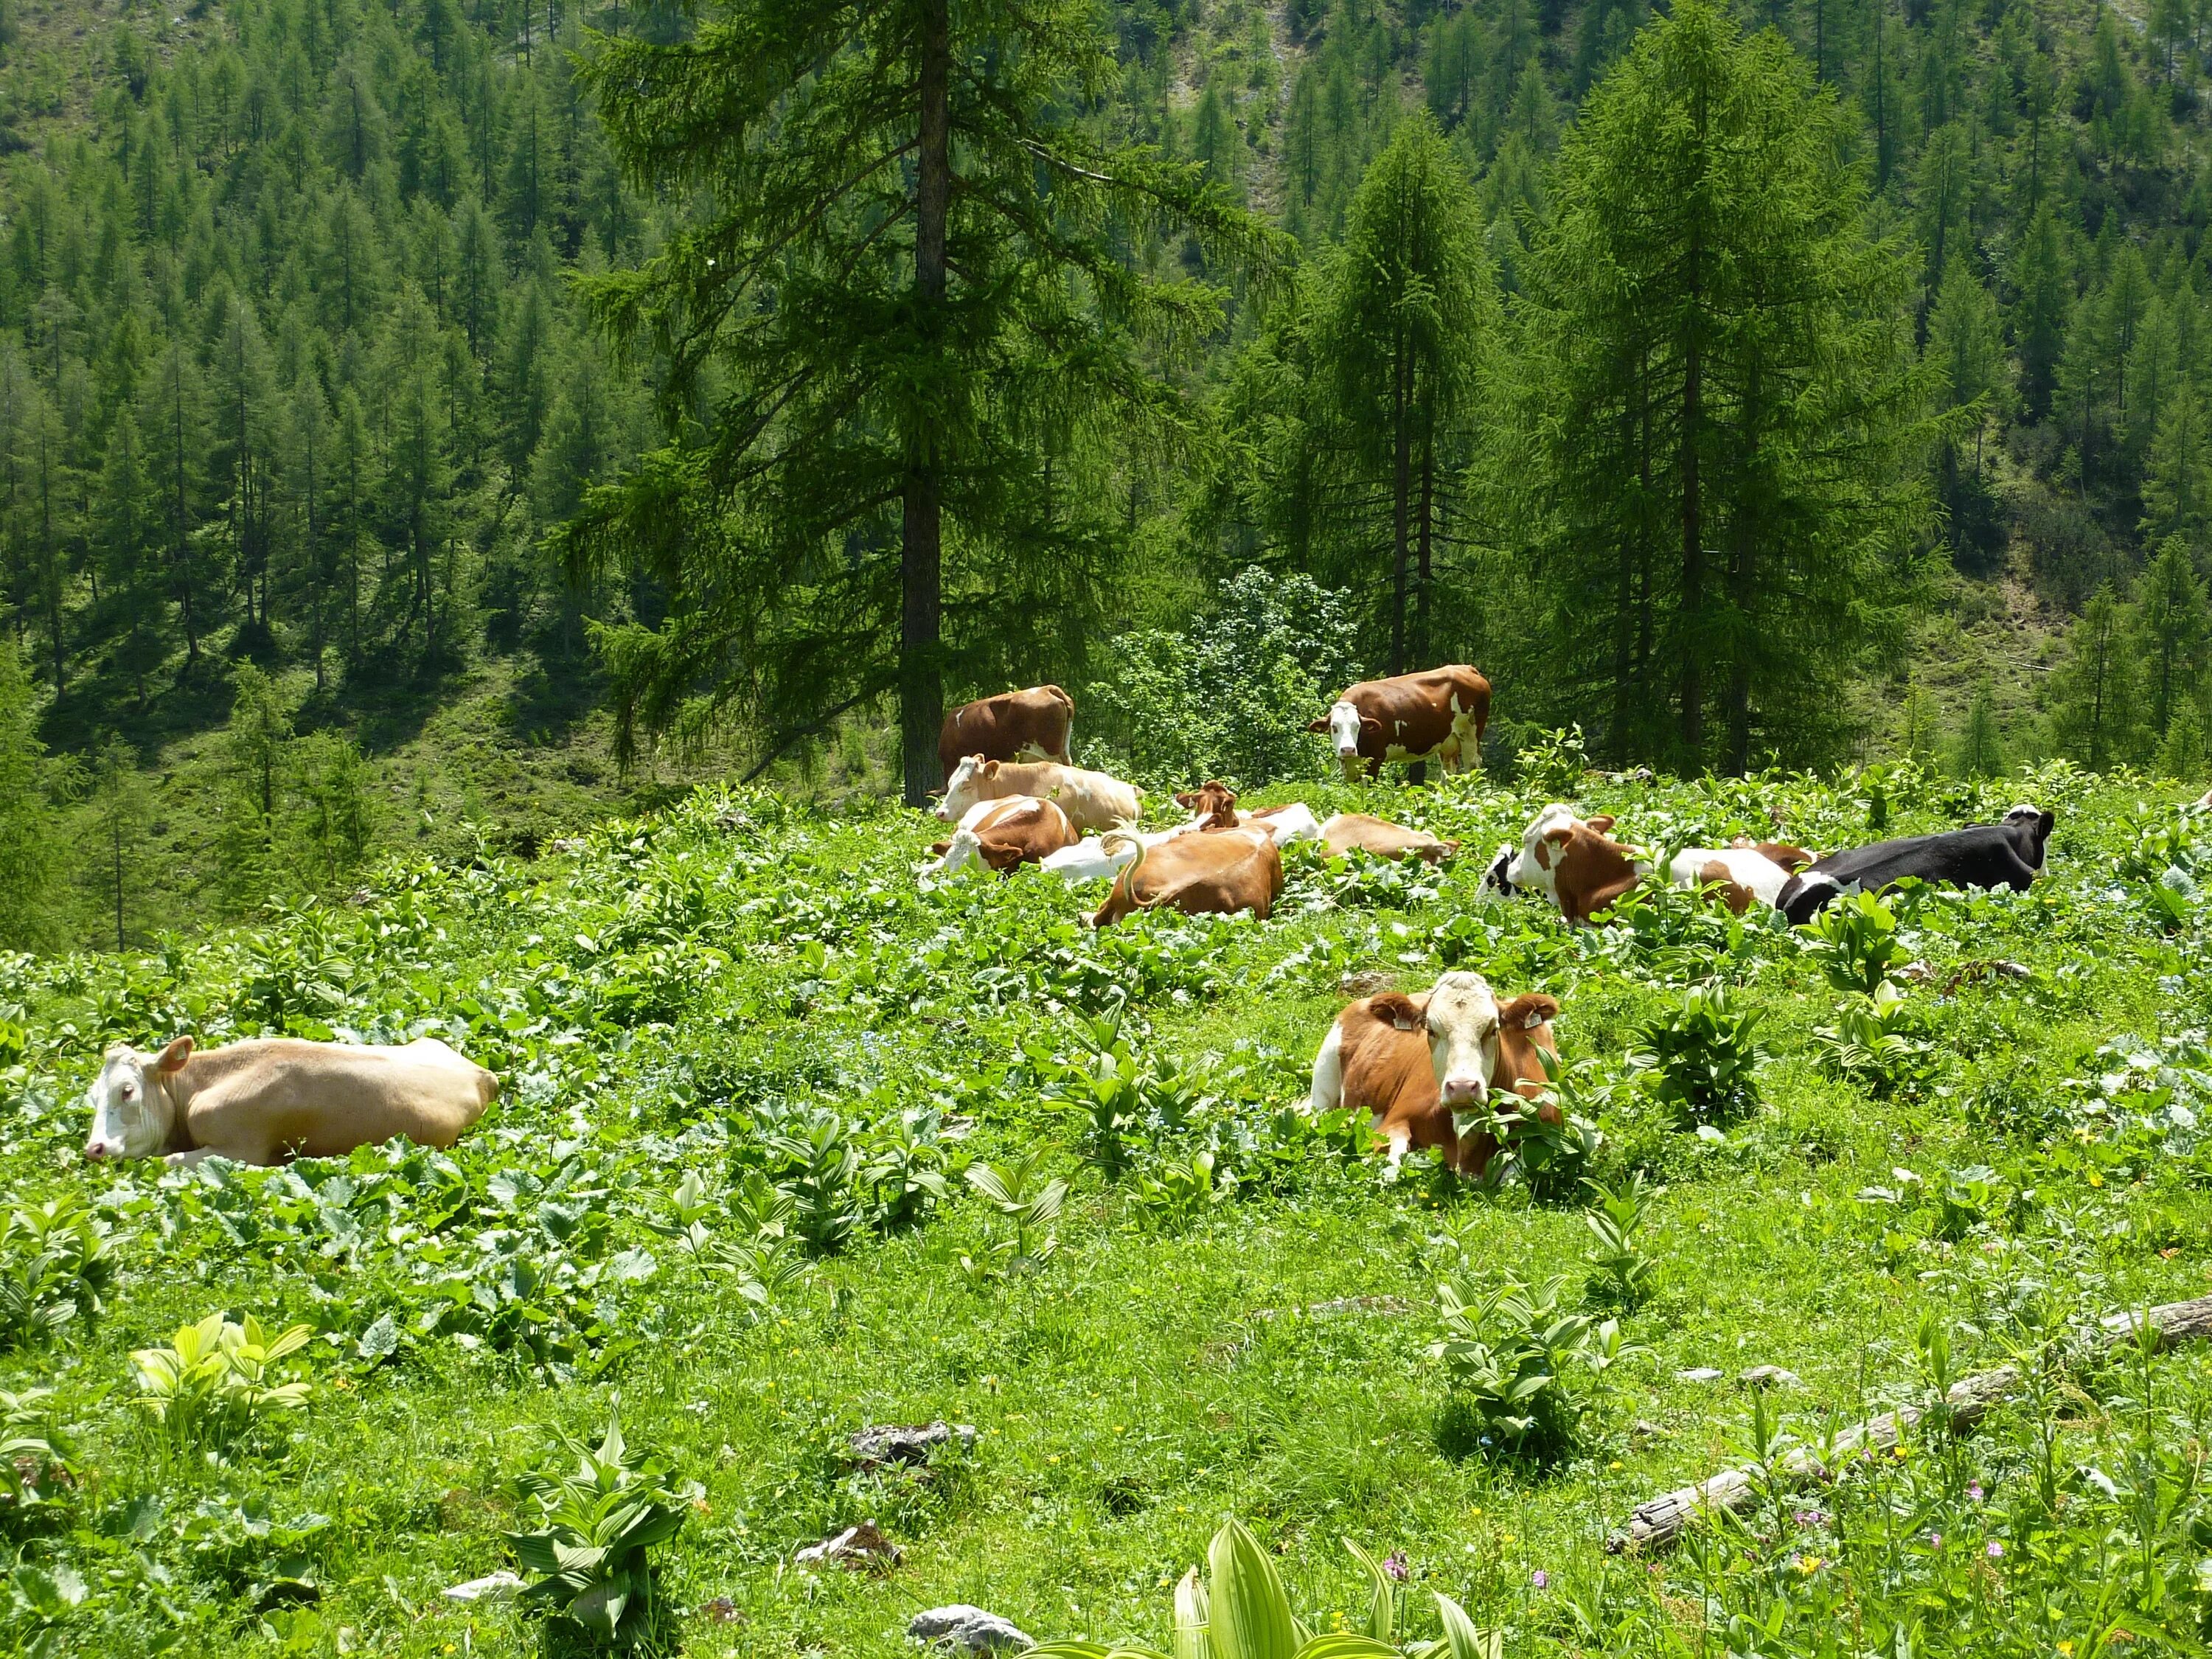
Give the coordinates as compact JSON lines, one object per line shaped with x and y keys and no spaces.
{"x":923,"y":354}
{"x":1712,"y":536}
{"x":1407,"y":317}
{"x":2176,"y":622}
{"x":173,"y":428}
{"x":2178,"y":483}
{"x":2096,"y":708}
{"x":32,"y":910}
{"x":2045,"y":298}
{"x":1965,"y":342}
{"x":112,"y":832}
{"x":259,"y":733}
{"x":1981,"y":744}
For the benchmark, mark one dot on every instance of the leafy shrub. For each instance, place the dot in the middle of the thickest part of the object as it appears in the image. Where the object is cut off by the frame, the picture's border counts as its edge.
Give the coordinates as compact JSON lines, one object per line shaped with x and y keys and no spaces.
{"x":216,"y":1381}
{"x":2164,"y":867}
{"x":1180,"y":1189}
{"x":1507,"y":1355}
{"x":1875,"y":1043}
{"x":37,"y":1457}
{"x":1021,"y":1194}
{"x":1242,"y":1611}
{"x":1623,"y":1272}
{"x":1551,"y":1159}
{"x":1554,"y":762}
{"x":57,"y":1261}
{"x":1855,"y":940}
{"x":1698,"y":1059}
{"x":1229,"y":698}
{"x":1968,"y":1198}
{"x":596,"y":1521}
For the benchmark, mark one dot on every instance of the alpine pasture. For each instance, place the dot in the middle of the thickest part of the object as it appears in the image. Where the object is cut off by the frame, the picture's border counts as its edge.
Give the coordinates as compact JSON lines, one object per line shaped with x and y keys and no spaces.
{"x":788,"y":1145}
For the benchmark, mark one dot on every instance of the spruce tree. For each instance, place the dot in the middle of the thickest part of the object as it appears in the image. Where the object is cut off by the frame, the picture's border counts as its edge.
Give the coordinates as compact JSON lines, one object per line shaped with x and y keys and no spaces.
{"x":2173,"y":613}
{"x":2096,"y":707}
{"x":32,"y":910}
{"x":910,"y":278}
{"x":1720,"y":448}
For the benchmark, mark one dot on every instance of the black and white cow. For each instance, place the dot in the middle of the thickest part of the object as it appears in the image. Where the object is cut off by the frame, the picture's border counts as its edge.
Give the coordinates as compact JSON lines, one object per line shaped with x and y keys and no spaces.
{"x":2007,"y":854}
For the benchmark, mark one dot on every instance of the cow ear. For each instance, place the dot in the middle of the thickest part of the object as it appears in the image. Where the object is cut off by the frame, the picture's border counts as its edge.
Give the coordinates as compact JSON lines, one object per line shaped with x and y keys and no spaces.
{"x":1369,"y":723}
{"x":990,"y":768}
{"x":1526,"y":1014}
{"x":940,"y":847}
{"x":1602,"y":824}
{"x":1318,"y":726}
{"x":173,"y":1058}
{"x":1400,"y":1010}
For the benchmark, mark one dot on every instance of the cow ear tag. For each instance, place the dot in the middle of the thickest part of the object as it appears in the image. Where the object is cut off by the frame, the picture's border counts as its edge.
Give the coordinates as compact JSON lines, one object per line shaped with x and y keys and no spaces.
{"x":1529,"y":1023}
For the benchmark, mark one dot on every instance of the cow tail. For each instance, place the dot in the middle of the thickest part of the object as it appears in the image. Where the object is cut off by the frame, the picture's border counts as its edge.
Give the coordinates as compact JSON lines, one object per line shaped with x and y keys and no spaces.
{"x":1127,"y":878}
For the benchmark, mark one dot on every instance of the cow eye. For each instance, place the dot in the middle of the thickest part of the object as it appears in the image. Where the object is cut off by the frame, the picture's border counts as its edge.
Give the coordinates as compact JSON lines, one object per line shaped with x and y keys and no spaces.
{"x":129,"y":1090}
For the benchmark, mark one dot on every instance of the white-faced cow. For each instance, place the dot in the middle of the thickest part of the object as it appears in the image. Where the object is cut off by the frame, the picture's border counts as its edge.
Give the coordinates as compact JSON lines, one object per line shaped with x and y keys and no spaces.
{"x":1092,"y":800}
{"x":1436,"y":1071}
{"x":999,"y":835}
{"x":271,"y":1100}
{"x":1575,"y":862}
{"x":1216,"y":870}
{"x":2007,"y":854}
{"x":1438,"y":715}
{"x":1010,"y":726}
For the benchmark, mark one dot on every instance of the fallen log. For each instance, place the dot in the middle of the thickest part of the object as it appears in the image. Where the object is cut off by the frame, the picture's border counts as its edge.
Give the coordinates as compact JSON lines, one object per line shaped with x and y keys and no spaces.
{"x":1658,"y":1522}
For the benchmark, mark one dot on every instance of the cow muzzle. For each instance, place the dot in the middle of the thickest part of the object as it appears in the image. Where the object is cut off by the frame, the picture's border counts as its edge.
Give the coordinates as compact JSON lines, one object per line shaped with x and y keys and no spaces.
{"x":94,"y":1151}
{"x":1466,"y":1091}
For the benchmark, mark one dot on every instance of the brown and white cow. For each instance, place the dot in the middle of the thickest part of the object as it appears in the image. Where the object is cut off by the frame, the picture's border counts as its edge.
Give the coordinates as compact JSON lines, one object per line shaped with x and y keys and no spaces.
{"x":1092,"y":800}
{"x":1221,"y":870}
{"x":999,"y":835}
{"x":1435,"y":1071}
{"x":1438,"y":715}
{"x":271,"y":1100}
{"x":1575,"y":862}
{"x":1355,"y":831}
{"x":1213,"y":806}
{"x":1009,"y":726}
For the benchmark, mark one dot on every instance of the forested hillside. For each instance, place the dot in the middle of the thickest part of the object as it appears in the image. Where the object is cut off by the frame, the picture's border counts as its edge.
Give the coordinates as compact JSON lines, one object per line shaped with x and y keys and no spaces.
{"x":294,"y":375}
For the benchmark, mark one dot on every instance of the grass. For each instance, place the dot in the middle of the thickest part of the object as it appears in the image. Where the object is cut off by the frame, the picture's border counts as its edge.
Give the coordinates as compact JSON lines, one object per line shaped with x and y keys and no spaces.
{"x":664,"y":1000}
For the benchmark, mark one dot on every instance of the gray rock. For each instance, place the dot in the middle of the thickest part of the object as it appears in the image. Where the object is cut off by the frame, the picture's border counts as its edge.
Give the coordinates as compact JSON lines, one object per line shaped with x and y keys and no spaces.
{"x":1646,"y":1429}
{"x":1698,"y":1374}
{"x":495,"y":1587}
{"x":1366,"y":982}
{"x":970,"y":1630}
{"x":891,"y":1443}
{"x":857,"y":1549}
{"x":1769,"y":1377}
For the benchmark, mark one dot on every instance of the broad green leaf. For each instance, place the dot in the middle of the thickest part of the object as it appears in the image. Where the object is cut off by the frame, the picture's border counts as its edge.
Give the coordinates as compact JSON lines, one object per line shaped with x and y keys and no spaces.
{"x":1463,"y":1640}
{"x":1250,"y":1610}
{"x":1191,"y":1640}
{"x":1345,"y":1644}
{"x":1382,"y":1601}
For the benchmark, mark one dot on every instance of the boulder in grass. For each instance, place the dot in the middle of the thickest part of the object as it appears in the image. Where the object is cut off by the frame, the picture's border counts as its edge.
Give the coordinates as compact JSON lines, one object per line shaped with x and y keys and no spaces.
{"x":891,"y":1442}
{"x":857,"y":1549}
{"x":962,"y":1629}
{"x":493,"y":1587}
{"x":1698,"y":1374}
{"x":1769,"y":1377}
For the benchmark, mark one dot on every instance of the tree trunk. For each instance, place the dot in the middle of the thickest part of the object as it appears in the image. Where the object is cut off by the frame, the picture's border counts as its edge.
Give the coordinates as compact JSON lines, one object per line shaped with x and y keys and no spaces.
{"x":1401,"y":489}
{"x":921,"y":557}
{"x":1424,"y":552}
{"x":1693,"y":531}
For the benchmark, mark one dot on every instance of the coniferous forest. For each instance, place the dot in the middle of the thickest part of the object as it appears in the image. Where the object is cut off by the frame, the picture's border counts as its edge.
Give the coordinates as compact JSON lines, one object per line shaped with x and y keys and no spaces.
{"x":437,"y":422}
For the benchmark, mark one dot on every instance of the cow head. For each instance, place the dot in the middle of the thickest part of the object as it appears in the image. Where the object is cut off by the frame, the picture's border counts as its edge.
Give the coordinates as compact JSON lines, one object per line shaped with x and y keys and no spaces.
{"x":1438,"y":853}
{"x":1459,"y":1018}
{"x":1212,"y":800}
{"x":960,"y":789}
{"x":132,"y":1114}
{"x":1344,"y":725}
{"x":2029,"y":827}
{"x":1532,"y":866}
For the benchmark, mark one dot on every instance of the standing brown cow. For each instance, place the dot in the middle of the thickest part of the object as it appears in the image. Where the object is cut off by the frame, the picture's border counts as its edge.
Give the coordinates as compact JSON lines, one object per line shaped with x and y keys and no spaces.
{"x":1014,"y":726}
{"x":1437,"y":715}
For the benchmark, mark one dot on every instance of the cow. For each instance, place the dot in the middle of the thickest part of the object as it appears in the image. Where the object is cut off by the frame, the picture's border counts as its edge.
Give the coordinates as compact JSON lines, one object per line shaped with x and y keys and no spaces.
{"x":1575,"y":862}
{"x":1092,"y":800}
{"x":1417,"y":1067}
{"x":270,"y":1100}
{"x":1438,"y":715}
{"x":1219,"y":871}
{"x":2005,"y":855}
{"x":1213,"y":806}
{"x":1009,"y":726}
{"x":998,"y":834}
{"x":1355,"y":831}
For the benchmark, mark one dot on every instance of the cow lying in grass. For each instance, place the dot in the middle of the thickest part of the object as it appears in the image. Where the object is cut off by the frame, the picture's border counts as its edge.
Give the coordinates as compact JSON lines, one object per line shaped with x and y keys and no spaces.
{"x":1434,"y":1071}
{"x":1575,"y":862}
{"x":2006,"y":855}
{"x":1092,"y":800}
{"x":1211,"y":871}
{"x":271,"y":1100}
{"x":998,"y":834}
{"x":1213,"y":805}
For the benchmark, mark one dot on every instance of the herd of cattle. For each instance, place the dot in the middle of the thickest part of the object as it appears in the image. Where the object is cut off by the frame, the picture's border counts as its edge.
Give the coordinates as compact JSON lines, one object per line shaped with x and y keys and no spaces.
{"x":1430,"y":1072}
